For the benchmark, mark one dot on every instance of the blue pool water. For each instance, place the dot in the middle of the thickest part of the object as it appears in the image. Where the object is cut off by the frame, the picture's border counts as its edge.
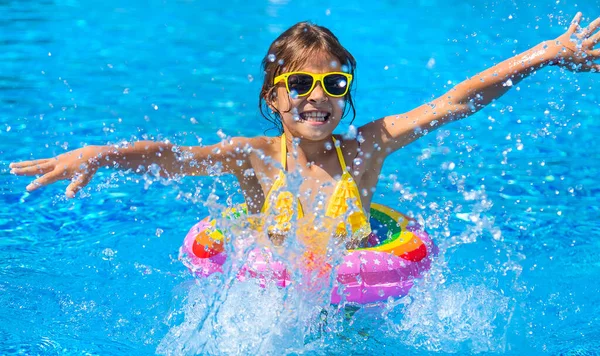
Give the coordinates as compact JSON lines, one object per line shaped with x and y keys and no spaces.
{"x":510,"y":195}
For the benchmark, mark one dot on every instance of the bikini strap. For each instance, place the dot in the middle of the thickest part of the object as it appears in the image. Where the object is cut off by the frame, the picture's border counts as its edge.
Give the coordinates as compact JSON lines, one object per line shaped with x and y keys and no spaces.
{"x":283,"y":153}
{"x":340,"y":154}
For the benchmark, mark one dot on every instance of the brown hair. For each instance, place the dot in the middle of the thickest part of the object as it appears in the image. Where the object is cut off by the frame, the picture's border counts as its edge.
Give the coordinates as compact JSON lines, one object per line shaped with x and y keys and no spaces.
{"x":290,"y":51}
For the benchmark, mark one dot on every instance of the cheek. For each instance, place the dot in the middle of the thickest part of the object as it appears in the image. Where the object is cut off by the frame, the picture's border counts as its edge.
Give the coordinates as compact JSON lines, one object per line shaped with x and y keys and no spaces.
{"x":339,"y":104}
{"x":283,"y":102}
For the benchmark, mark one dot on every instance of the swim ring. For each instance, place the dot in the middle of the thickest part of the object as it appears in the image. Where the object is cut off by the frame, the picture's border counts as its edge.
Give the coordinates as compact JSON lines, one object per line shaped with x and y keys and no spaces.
{"x":399,"y":251}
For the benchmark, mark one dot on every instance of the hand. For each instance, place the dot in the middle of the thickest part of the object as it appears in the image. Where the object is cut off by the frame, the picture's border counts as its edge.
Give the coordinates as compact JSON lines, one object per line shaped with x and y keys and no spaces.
{"x":78,"y":165}
{"x":576,"y":47}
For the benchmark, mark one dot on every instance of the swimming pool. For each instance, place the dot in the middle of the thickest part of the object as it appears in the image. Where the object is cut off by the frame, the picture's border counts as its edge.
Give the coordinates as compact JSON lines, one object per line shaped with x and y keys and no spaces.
{"x":510,"y":195}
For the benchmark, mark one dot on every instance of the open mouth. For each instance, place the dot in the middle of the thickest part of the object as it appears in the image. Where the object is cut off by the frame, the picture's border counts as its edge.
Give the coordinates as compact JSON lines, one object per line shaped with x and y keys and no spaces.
{"x":315,"y":117}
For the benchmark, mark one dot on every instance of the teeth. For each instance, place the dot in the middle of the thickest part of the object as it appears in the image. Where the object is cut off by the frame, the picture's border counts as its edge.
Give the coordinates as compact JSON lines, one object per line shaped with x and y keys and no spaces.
{"x":316,"y":116}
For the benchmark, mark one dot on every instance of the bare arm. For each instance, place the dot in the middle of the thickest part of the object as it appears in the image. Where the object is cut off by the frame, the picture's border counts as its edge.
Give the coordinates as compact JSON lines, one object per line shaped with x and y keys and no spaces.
{"x":80,"y":165}
{"x":573,"y":50}
{"x":225,"y":157}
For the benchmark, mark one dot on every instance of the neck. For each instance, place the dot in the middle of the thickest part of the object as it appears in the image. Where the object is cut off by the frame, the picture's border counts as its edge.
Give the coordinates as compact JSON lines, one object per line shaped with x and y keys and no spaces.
{"x":309,"y":151}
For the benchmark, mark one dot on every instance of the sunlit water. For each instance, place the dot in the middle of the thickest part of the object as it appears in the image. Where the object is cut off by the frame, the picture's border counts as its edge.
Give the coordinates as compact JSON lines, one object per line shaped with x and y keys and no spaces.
{"x":510,"y":195}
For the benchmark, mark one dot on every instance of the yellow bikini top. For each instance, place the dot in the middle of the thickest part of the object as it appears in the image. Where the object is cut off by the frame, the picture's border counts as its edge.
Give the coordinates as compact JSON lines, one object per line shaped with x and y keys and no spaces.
{"x":345,"y":193}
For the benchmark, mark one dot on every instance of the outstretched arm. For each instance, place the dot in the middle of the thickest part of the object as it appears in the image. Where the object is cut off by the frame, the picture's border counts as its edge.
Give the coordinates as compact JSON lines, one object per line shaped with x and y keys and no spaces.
{"x":80,"y":165}
{"x":573,"y":50}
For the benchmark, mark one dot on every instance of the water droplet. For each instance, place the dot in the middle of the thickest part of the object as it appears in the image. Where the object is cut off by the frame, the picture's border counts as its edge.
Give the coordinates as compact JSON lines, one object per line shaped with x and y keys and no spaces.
{"x":271,"y":57}
{"x":430,"y":63}
{"x":351,"y":133}
{"x":108,"y":254}
{"x":360,"y":138}
{"x":357,"y":161}
{"x":155,"y":169}
{"x":328,"y":146}
{"x":159,"y":232}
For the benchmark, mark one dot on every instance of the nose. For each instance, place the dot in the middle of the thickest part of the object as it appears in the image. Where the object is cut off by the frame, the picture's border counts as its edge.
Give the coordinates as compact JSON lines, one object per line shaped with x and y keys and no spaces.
{"x":317,"y":95}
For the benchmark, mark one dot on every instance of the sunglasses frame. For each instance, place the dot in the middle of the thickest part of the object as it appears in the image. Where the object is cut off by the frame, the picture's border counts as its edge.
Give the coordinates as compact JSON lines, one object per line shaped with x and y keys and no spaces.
{"x":316,"y":78}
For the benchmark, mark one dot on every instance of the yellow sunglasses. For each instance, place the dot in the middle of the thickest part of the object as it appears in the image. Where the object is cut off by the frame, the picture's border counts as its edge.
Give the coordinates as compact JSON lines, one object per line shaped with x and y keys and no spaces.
{"x":335,"y":84}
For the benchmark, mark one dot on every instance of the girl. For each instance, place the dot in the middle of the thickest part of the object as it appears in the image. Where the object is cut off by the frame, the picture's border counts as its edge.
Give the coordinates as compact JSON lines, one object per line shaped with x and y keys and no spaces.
{"x":306,"y":92}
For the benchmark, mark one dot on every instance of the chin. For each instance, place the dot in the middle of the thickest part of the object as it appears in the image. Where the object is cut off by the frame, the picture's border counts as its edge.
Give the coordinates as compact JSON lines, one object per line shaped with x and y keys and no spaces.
{"x":317,"y":137}
{"x":313,"y":134}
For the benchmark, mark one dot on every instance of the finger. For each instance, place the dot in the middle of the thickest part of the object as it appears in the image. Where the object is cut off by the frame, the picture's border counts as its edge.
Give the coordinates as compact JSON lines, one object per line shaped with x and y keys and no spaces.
{"x":28,"y":163}
{"x":46,"y":179}
{"x":594,"y":68}
{"x":594,"y":40}
{"x":78,"y":183}
{"x":33,"y":170}
{"x":594,"y":53}
{"x":575,"y":23}
{"x":592,"y":27}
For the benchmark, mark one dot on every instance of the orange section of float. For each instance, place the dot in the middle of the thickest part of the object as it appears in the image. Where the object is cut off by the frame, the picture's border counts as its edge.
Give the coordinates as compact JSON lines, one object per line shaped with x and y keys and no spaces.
{"x":208,"y":243}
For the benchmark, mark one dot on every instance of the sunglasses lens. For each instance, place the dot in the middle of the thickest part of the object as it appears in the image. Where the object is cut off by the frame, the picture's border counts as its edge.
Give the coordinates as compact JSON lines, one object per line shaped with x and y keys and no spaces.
{"x":336,"y":84}
{"x":300,"y":83}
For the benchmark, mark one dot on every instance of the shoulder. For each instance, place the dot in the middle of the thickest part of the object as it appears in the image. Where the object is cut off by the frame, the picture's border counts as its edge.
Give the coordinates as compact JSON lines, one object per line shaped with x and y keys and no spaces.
{"x":246,"y":144}
{"x":261,"y":149}
{"x":374,"y":136}
{"x":264,"y":144}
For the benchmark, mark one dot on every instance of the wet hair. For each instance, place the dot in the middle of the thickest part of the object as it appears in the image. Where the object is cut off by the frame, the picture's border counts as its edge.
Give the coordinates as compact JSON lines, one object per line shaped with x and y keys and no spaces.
{"x":292,"y":50}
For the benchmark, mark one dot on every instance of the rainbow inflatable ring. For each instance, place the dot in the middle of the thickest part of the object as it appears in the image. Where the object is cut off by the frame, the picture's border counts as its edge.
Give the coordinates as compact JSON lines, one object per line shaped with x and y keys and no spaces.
{"x":398,"y":253}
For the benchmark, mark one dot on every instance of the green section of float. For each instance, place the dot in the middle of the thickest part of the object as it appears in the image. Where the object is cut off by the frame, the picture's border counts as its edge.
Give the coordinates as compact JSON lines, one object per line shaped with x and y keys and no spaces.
{"x":389,"y":222}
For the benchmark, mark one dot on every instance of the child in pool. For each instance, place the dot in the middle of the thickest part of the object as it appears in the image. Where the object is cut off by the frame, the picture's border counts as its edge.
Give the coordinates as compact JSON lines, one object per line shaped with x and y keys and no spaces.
{"x":306,"y":92}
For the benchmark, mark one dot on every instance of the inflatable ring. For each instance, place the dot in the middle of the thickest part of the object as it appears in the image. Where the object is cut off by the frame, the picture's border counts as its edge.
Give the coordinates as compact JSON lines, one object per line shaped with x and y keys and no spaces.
{"x":399,"y":252}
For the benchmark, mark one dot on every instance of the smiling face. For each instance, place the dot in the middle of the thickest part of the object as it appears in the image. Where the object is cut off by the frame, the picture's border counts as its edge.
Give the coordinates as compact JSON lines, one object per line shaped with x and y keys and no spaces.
{"x":314,"y":116}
